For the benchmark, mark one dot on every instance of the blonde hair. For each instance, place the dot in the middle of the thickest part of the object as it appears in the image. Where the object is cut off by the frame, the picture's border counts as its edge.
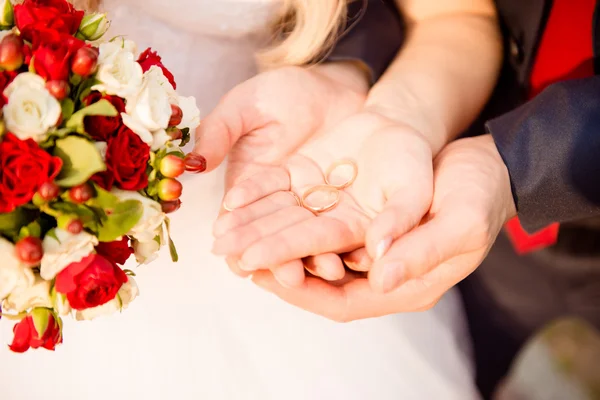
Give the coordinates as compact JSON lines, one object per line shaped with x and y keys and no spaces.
{"x":303,"y":32}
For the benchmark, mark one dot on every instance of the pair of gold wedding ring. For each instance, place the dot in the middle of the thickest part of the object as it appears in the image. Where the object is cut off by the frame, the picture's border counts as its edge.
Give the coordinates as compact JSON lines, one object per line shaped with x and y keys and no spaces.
{"x":329,"y":187}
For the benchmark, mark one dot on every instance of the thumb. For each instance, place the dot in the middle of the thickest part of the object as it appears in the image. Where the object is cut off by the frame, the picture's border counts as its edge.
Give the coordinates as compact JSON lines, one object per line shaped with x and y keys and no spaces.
{"x":234,"y":116}
{"x":404,"y":170}
{"x":420,"y":251}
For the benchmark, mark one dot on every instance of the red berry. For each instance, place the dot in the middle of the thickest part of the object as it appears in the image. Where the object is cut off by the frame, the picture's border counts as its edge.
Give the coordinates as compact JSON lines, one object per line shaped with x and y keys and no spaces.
{"x":169,"y":189}
{"x":58,"y":89}
{"x":175,"y":133}
{"x":194,"y":163}
{"x":176,"y":115}
{"x":75,"y":226}
{"x":171,"y":166}
{"x":11,"y":52}
{"x":170,"y":206}
{"x":29,"y":250}
{"x":85,"y":61}
{"x":48,"y":191}
{"x":81,"y":194}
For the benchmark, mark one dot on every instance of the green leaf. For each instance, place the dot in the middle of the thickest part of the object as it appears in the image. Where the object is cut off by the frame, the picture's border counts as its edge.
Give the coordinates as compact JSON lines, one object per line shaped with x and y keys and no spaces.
{"x":172,"y":248}
{"x":185,"y":139}
{"x":13,"y":221}
{"x":33,"y":229}
{"x":40,"y":318}
{"x":67,"y":108}
{"x":104,"y":199}
{"x":102,"y":107}
{"x":75,"y":80}
{"x":80,"y":158}
{"x":121,"y":220}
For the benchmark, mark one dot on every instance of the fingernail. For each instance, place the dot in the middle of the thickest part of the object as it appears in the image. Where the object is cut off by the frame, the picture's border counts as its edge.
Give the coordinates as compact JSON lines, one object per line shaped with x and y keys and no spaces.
{"x":282,"y":282}
{"x":226,"y":207}
{"x":194,"y":163}
{"x":245,"y":267}
{"x":393,"y":273}
{"x":382,"y":247}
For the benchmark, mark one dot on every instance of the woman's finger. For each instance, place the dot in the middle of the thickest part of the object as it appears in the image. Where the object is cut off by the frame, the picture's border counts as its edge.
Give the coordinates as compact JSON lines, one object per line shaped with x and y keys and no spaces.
{"x":317,"y":235}
{"x":327,"y":266}
{"x":237,"y":240}
{"x":256,"y":187}
{"x":228,"y":221}
{"x":290,"y":274}
{"x":358,"y":260}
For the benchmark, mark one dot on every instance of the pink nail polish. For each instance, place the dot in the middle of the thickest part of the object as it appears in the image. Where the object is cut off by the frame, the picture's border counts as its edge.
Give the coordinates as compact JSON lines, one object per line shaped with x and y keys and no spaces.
{"x":195,"y":163}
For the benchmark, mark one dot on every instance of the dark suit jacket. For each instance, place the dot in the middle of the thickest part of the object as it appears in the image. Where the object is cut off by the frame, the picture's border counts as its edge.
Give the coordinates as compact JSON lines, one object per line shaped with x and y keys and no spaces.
{"x":551,"y":144}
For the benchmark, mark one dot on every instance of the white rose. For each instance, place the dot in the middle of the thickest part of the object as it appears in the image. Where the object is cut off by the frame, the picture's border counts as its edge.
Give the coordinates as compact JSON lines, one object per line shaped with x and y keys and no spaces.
{"x":128,"y":292}
{"x":152,"y":219}
{"x":13,"y":274}
{"x":61,"y":304}
{"x":151,"y":106}
{"x":138,"y":128}
{"x":191,"y":113}
{"x":69,"y":248}
{"x":160,"y":138}
{"x":118,"y":72}
{"x":109,"y":50}
{"x":23,"y":299}
{"x":31,"y":110}
{"x":146,"y":252}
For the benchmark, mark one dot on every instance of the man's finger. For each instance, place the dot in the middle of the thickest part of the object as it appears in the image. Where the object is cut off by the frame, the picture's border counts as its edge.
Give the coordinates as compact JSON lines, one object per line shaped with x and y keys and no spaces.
{"x":420,"y":251}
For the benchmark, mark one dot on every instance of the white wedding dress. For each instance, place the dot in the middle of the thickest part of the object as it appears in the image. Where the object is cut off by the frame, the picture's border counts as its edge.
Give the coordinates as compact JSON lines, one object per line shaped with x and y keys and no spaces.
{"x":199,"y":332}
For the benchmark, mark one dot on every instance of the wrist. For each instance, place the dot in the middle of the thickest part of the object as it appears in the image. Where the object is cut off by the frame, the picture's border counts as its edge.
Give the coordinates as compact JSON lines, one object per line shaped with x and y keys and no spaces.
{"x":411,"y":114}
{"x":351,"y":73}
{"x":507,"y":198}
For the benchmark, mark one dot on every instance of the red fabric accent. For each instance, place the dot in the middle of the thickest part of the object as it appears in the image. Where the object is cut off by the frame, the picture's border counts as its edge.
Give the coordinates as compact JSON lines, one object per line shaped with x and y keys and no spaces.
{"x":565,"y":52}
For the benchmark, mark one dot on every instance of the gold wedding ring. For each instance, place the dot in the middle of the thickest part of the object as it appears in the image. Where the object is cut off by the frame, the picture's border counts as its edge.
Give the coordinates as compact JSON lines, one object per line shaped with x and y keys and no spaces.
{"x":335,"y":166}
{"x":325,"y":207}
{"x":296,"y":197}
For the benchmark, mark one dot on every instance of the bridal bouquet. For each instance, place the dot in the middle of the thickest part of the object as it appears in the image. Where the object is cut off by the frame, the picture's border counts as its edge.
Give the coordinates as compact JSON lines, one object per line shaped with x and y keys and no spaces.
{"x":90,"y":139}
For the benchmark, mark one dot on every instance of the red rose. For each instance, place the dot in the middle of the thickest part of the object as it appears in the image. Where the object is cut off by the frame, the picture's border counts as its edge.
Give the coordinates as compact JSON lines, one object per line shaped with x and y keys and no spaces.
{"x":26,"y":336}
{"x":52,"y":54}
{"x":101,"y":128}
{"x":126,"y":161}
{"x":149,"y":58}
{"x":58,"y":15}
{"x":6,"y":78}
{"x":118,"y":251}
{"x":91,"y":282}
{"x":24,"y":167}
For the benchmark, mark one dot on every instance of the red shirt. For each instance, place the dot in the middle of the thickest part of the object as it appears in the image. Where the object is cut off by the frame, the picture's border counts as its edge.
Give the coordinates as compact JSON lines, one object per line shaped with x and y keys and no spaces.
{"x":565,"y":52}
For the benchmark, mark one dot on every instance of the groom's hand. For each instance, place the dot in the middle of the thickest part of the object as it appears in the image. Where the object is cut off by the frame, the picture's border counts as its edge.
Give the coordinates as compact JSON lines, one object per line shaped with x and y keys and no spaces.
{"x":471,"y":202}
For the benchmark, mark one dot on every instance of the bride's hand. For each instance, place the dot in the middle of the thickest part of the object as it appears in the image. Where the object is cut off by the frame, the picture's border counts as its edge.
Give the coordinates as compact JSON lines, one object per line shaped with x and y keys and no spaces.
{"x":472,"y":201}
{"x":391,"y":194}
{"x":264,"y":120}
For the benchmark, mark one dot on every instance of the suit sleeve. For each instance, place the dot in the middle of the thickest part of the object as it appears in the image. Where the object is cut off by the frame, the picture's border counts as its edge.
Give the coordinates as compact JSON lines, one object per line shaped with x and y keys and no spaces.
{"x":374,"y":35}
{"x":551,"y":146}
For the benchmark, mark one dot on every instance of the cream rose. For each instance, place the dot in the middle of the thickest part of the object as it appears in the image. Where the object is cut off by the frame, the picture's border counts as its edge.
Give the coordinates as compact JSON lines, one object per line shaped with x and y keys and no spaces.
{"x":146,"y":252}
{"x":152,"y":219}
{"x":30,"y":110}
{"x":191,"y":113}
{"x":13,"y":274}
{"x":101,"y":147}
{"x":118,"y":71}
{"x":128,"y":292}
{"x":151,"y":106}
{"x":69,"y":248}
{"x":36,"y":295}
{"x":138,"y":128}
